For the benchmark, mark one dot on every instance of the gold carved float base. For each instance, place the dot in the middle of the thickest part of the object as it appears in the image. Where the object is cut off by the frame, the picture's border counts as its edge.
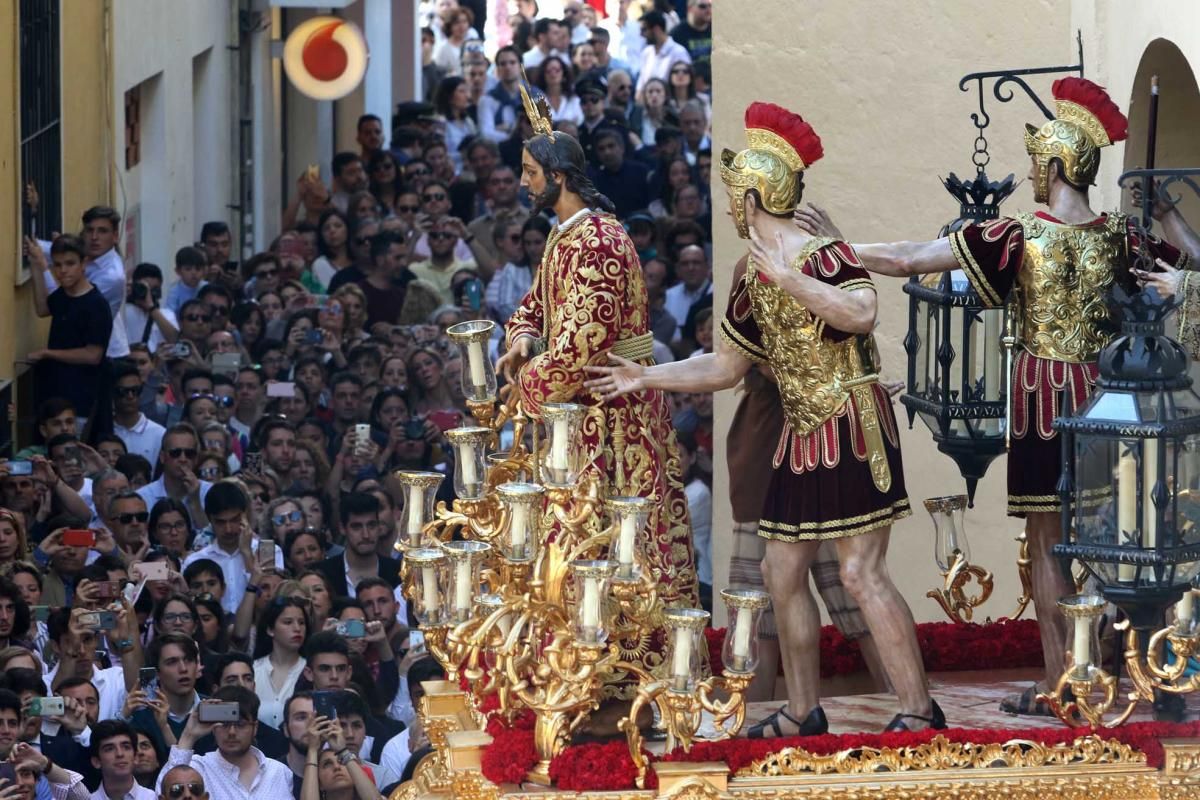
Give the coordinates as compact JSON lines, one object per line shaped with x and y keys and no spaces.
{"x":1087,"y":769}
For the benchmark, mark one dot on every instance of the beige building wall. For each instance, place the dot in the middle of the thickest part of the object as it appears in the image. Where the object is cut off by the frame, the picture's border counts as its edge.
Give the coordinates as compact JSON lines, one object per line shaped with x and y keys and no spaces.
{"x":879,"y":83}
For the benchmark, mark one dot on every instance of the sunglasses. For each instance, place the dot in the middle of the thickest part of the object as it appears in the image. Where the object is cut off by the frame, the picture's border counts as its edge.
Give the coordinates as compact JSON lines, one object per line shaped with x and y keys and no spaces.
{"x":294,"y":516}
{"x":514,"y":237}
{"x":416,"y":172}
{"x":407,"y":209}
{"x":266,"y":273}
{"x":176,"y":790}
{"x":182,"y":452}
{"x":435,"y":197}
{"x":218,"y":311}
{"x":137,"y":516}
{"x":127,"y":391}
{"x":590,"y":99}
{"x":442,"y":235}
{"x":197,"y":317}
{"x":681,"y":72}
{"x":210,"y":473}
{"x":263,"y":497}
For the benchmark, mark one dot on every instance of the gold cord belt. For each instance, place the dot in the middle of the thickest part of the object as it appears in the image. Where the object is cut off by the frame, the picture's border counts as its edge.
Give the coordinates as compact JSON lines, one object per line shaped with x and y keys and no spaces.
{"x":639,"y":348}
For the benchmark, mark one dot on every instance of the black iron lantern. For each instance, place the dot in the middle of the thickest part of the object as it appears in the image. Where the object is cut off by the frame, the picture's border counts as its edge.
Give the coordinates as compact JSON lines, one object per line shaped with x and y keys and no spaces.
{"x":1130,"y":483}
{"x":958,"y":364}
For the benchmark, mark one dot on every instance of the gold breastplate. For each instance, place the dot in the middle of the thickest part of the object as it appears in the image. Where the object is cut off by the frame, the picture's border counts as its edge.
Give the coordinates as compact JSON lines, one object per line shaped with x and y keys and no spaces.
{"x":1063,"y":286}
{"x":815,"y":375}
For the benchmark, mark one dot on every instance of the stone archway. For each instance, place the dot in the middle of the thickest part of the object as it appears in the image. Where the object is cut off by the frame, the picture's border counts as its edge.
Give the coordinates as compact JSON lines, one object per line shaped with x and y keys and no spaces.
{"x":1178,"y":116}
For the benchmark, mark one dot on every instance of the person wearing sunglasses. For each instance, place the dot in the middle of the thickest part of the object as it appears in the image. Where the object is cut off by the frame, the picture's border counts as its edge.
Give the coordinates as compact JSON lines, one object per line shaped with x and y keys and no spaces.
{"x":140,"y":434}
{"x":444,"y":235}
{"x":236,"y":763}
{"x":180,"y":448}
{"x":127,"y":518}
{"x":182,"y":783}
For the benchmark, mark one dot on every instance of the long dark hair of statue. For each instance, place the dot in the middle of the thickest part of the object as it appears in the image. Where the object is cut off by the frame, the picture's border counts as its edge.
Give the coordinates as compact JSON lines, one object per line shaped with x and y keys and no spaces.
{"x":565,"y":156}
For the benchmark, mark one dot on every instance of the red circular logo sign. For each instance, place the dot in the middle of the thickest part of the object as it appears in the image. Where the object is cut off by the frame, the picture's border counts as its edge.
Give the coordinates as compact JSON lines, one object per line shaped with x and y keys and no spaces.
{"x":325,"y":58}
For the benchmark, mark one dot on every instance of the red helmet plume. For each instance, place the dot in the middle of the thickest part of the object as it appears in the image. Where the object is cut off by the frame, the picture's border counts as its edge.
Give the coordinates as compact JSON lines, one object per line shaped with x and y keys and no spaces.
{"x":789,"y":127}
{"x":1095,"y":100}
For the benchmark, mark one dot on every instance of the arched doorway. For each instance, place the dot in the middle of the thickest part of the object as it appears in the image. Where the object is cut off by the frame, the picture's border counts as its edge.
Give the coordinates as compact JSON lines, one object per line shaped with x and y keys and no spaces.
{"x":1178,"y":116}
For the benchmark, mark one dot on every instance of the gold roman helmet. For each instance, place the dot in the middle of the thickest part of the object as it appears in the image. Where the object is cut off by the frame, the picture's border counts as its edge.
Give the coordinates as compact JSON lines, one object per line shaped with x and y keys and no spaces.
{"x":1086,"y":119}
{"x":782,"y":145}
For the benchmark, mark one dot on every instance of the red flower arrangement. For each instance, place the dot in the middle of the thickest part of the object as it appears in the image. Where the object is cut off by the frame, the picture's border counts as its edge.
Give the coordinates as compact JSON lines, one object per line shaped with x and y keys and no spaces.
{"x":945,"y":646}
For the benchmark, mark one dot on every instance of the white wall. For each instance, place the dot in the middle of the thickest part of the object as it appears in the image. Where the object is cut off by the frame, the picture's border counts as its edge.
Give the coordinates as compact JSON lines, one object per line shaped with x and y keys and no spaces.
{"x":184,"y":178}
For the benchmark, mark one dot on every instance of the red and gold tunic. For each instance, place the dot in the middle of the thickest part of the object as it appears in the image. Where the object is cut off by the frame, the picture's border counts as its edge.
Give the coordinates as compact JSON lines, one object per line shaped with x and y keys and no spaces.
{"x":1059,"y":276}
{"x":836,"y":467}
{"x":588,"y":297}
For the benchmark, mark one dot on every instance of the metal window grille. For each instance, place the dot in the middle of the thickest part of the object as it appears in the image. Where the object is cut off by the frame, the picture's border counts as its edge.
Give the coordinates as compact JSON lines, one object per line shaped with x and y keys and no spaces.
{"x":41,"y":113}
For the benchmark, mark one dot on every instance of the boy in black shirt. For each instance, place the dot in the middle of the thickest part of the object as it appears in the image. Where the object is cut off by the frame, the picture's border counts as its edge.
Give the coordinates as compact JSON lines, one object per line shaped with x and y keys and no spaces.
{"x":72,"y":364}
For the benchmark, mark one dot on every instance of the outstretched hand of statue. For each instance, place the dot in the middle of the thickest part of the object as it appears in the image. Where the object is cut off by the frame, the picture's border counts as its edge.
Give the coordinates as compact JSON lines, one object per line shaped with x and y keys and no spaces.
{"x":1167,"y":281}
{"x":815,"y":221}
{"x":624,"y":377}
{"x":769,"y":257}
{"x":511,"y":362}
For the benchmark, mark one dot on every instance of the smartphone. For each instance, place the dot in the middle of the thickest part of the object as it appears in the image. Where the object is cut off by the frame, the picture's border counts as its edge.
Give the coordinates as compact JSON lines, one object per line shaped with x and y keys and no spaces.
{"x":362,"y":437}
{"x":314,"y":336}
{"x":79,"y":538}
{"x":313,"y":173}
{"x":155,"y":570}
{"x":107,"y":590}
{"x":352,"y":629}
{"x":20,"y":468}
{"x":281,"y":389}
{"x":47,"y":707}
{"x":226,"y":363}
{"x":98,"y":621}
{"x":474,"y":293}
{"x":8,"y":772}
{"x":325,"y":704}
{"x":41,"y":613}
{"x":146,"y":677}
{"x":445,"y":420}
{"x":414,"y":429}
{"x":220,"y":712}
{"x":266,"y":554}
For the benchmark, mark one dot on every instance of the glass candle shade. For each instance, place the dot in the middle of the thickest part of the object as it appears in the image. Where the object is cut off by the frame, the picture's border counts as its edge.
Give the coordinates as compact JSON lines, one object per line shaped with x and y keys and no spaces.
{"x":685,"y":637}
{"x":488,"y":604}
{"x":470,"y":461}
{"x":1187,"y":613}
{"x":523,"y":501}
{"x":629,"y":515}
{"x":420,"y":493}
{"x":427,"y":575}
{"x":560,"y":456}
{"x":464,"y":562}
{"x":478,"y":374}
{"x":592,"y":580}
{"x":744,"y":609}
{"x":1083,"y":613}
{"x":949,"y":535}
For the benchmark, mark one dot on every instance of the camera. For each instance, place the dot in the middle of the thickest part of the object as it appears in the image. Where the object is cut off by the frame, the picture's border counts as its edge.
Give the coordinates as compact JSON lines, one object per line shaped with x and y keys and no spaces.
{"x":139,"y":291}
{"x":414,"y":429}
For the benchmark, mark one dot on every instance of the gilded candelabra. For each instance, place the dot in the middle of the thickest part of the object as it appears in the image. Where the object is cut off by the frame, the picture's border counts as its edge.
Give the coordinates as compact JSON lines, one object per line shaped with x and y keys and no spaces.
{"x":953,"y":556}
{"x":1087,"y":695}
{"x":527,"y":585}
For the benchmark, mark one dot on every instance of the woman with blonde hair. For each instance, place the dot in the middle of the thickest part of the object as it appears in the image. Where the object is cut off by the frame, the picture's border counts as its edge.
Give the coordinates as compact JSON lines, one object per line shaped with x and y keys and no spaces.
{"x":310,"y":467}
{"x":14,"y":545}
{"x":354,"y":313}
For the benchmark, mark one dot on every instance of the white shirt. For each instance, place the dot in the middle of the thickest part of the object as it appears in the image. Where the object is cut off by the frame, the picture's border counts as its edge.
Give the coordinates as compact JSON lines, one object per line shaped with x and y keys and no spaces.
{"x":144,"y":438}
{"x":135,"y":326}
{"x":110,"y":685}
{"x":270,"y":708}
{"x":274,"y":778}
{"x":153,"y":492}
{"x":679,"y":302}
{"x":138,"y":792}
{"x":395,"y":754}
{"x":657,"y":63}
{"x":233,"y":568}
{"x":106,"y":273}
{"x":534,"y":57}
{"x":699,"y":499}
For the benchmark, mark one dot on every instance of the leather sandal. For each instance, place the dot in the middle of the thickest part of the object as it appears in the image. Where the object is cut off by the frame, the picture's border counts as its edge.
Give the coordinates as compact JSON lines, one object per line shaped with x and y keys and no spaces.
{"x":935,"y":720}
{"x":814,"y":724}
{"x":1027,"y":704}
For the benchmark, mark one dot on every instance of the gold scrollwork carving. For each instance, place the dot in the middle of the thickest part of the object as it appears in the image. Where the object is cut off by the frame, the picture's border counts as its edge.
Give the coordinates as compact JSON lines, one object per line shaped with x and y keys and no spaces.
{"x":942,"y":754}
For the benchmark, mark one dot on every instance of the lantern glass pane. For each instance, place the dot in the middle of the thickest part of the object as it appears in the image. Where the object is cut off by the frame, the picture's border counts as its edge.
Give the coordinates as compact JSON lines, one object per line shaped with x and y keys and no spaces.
{"x":1115,"y":406}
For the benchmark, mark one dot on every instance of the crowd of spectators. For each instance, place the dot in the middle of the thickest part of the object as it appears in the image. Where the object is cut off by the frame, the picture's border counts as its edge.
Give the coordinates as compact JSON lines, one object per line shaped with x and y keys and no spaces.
{"x":199,"y":592}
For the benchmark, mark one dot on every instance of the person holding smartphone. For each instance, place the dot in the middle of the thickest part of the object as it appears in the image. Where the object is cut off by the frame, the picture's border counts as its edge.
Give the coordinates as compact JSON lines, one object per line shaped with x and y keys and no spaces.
{"x":237,"y":768}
